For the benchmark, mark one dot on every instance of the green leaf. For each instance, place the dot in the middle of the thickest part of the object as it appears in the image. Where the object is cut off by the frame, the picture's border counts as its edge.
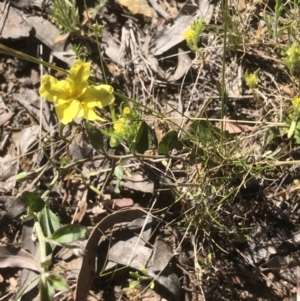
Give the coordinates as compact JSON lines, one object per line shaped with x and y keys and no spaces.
{"x":169,"y":142}
{"x":292,"y":128}
{"x":145,"y":272}
{"x":203,"y":132}
{"x":197,"y":154}
{"x":297,"y":133}
{"x":134,"y":283}
{"x":271,"y":134}
{"x":152,"y":284}
{"x":135,"y":275}
{"x":94,"y":134}
{"x":118,"y":172}
{"x":68,"y":233}
{"x":35,"y":203}
{"x":46,"y":289}
{"x":142,"y":140}
{"x":58,"y":282}
{"x":49,"y":223}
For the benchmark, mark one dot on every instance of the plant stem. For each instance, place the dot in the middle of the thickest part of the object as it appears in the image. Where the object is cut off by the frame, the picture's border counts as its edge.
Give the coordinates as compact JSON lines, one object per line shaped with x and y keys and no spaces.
{"x":42,"y":241}
{"x":223,"y":87}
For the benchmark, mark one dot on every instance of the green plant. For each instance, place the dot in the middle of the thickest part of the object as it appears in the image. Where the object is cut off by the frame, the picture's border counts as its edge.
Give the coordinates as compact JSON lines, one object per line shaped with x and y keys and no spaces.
{"x":140,"y":278}
{"x":272,"y":21}
{"x":192,"y":35}
{"x":65,"y":15}
{"x":292,"y":59}
{"x":293,"y":120}
{"x":50,"y":234}
{"x":125,"y":127}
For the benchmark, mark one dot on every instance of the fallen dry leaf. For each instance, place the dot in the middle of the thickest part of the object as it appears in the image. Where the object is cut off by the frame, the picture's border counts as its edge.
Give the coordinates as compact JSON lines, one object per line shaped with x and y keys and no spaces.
{"x":8,"y":167}
{"x":240,"y":5}
{"x":172,"y":34}
{"x":27,"y":137}
{"x":13,"y":283}
{"x":15,"y":25}
{"x":46,"y":32}
{"x":5,"y":116}
{"x":29,"y":276}
{"x":87,"y":271}
{"x":18,"y":258}
{"x":136,"y":181}
{"x":140,"y":7}
{"x":184,"y":64}
{"x":124,"y":202}
{"x":236,"y":128}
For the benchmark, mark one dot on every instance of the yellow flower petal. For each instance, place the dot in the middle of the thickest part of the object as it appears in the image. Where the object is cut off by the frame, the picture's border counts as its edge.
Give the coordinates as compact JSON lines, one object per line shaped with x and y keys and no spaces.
{"x":52,"y":89}
{"x":78,"y":77}
{"x":89,"y":114}
{"x":98,"y":96}
{"x":73,"y":97}
{"x":67,"y":112}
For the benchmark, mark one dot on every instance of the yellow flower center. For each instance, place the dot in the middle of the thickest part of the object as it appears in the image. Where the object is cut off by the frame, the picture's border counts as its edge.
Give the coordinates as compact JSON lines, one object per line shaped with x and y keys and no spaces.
{"x":251,"y":80}
{"x":126,"y":111}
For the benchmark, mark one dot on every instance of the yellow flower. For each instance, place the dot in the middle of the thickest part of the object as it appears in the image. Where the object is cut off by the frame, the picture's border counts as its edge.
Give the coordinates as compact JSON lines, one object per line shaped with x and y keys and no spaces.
{"x":189,"y":35}
{"x":293,"y":51}
{"x":119,"y":125}
{"x":251,"y":80}
{"x":126,"y":111}
{"x":296,"y":102}
{"x":74,"y":97}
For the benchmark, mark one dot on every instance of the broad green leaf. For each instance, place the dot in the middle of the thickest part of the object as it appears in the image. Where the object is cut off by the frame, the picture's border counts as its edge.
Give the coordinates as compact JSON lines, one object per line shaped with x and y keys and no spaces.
{"x":94,"y":134}
{"x":35,"y":203}
{"x":68,"y":233}
{"x":118,"y":172}
{"x":169,"y":142}
{"x":58,"y":282}
{"x":49,"y":223}
{"x":142,"y":140}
